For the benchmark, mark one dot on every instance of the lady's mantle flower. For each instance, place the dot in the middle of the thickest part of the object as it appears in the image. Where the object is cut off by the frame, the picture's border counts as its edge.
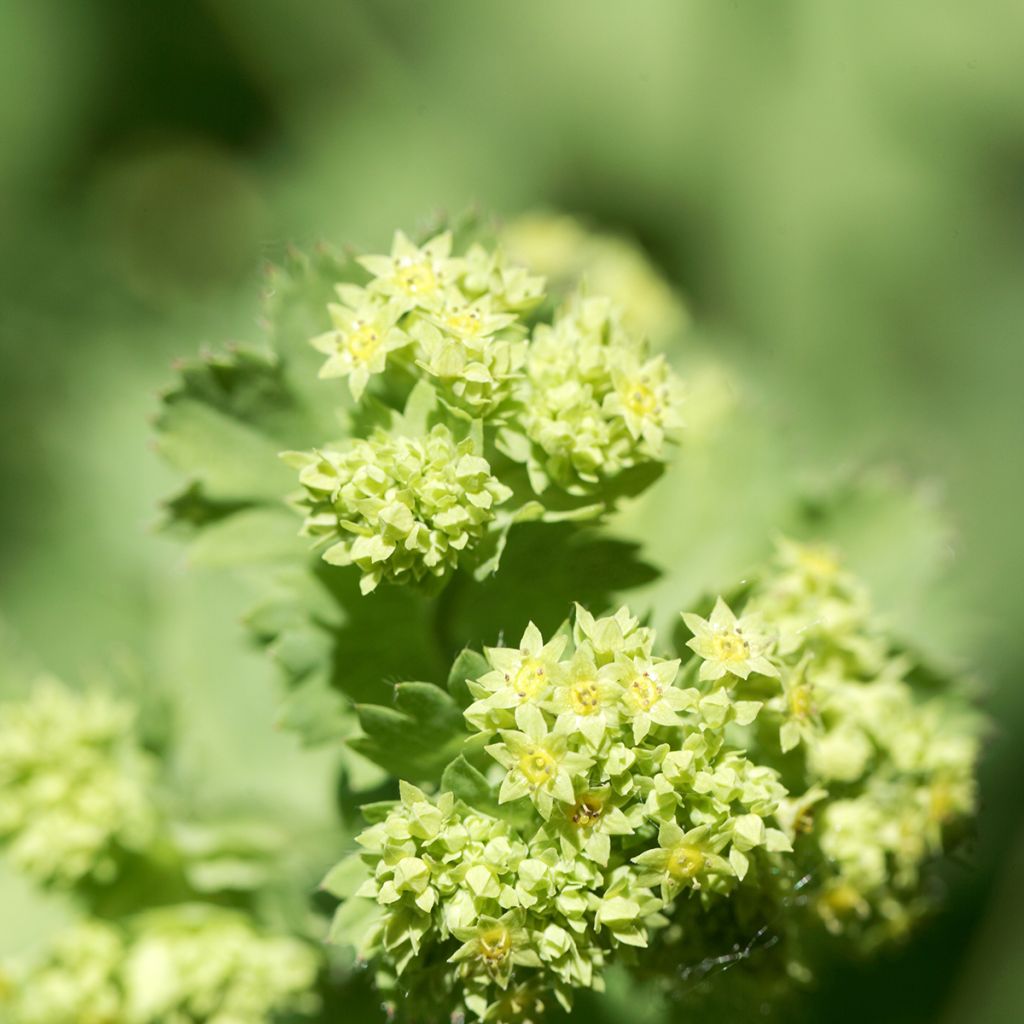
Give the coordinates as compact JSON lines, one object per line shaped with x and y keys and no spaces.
{"x":495,"y":946}
{"x":183,"y":963}
{"x":594,"y":405}
{"x":475,"y":353}
{"x":521,"y":675}
{"x":613,"y":635}
{"x":74,"y":784}
{"x":76,"y":981}
{"x":682,"y":859}
{"x":538,"y":762}
{"x":588,"y":824}
{"x":415,"y":277}
{"x":729,"y":645}
{"x":588,"y":701}
{"x":649,"y":697}
{"x":364,"y":333}
{"x":398,"y":507}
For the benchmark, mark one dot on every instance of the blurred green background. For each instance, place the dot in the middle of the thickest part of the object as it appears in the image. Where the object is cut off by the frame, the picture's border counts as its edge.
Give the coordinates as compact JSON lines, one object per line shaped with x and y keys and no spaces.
{"x":837,"y":188}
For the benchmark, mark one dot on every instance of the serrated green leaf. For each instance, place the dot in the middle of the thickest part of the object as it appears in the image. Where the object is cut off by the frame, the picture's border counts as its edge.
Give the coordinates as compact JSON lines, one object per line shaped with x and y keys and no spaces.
{"x":231,"y":460}
{"x":417,"y":737}
{"x":469,"y":785}
{"x":250,"y":537}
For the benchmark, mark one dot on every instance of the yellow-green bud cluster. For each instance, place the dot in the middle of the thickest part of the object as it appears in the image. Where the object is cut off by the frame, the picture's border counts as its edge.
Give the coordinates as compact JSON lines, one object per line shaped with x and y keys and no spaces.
{"x":74,"y":785}
{"x":181,"y":965}
{"x":887,"y":764}
{"x":597,"y":402}
{"x":398,"y":507}
{"x":454,"y":318}
{"x":576,"y":403}
{"x":618,"y":793}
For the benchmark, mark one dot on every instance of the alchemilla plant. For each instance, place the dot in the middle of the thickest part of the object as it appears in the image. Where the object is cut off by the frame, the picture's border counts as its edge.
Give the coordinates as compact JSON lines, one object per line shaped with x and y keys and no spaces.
{"x":567,"y":780}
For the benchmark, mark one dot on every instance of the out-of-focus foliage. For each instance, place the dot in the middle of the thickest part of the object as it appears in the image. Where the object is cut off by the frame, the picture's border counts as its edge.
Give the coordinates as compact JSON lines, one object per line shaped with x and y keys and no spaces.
{"x":835,"y":186}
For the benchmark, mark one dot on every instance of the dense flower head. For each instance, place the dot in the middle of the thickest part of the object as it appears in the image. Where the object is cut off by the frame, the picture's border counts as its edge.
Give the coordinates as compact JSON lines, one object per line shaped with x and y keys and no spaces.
{"x":576,"y":402}
{"x":187,"y":964}
{"x":456,"y":319}
{"x":75,"y":785}
{"x":597,"y":403}
{"x":399,"y":507}
{"x":888,"y":765}
{"x":618,"y":794}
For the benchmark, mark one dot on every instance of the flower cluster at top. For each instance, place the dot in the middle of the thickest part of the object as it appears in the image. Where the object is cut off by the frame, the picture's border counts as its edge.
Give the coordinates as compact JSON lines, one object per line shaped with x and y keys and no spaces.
{"x":518,"y":408}
{"x":618,"y":793}
{"x":74,"y":783}
{"x":188,"y":964}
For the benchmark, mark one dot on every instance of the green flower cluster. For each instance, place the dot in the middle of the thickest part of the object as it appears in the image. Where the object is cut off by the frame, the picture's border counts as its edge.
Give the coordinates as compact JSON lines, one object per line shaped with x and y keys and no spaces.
{"x":618,"y":793}
{"x":181,"y":965}
{"x":596,"y":402}
{"x":576,"y":403}
{"x":454,"y":318}
{"x":398,"y":507}
{"x":75,"y":785}
{"x":880,"y":760}
{"x":564,"y":250}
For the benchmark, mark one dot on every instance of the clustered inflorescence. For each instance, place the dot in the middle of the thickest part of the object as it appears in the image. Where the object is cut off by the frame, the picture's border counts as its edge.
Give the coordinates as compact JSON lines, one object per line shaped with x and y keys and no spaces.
{"x":591,"y":797}
{"x":74,"y":783}
{"x":634,"y":793}
{"x":80,"y":811}
{"x":575,"y":403}
{"x":182,"y":965}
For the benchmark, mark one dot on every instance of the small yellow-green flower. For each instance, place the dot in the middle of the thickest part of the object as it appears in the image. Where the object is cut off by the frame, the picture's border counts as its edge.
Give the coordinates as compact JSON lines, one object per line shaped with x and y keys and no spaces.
{"x":416,"y":277}
{"x":649,"y":696}
{"x":588,"y":701}
{"x":524,"y":674}
{"x":496,"y":946}
{"x":728,"y":645}
{"x":74,"y":785}
{"x":683,"y":859}
{"x":362,"y":336}
{"x":538,"y":762}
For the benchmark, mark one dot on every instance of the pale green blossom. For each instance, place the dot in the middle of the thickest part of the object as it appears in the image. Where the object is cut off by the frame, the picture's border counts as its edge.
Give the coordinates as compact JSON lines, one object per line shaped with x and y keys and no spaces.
{"x":538,"y":762}
{"x":361,"y":338}
{"x":728,"y":645}
{"x":400,"y":508}
{"x":415,"y":277}
{"x":76,"y":785}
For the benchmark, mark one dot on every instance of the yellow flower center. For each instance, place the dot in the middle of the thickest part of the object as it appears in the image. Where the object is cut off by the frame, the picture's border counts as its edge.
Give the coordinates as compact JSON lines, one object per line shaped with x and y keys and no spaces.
{"x":464,"y":321}
{"x":531,"y":679}
{"x":362,"y":342}
{"x":585,"y":697}
{"x":640,"y":398}
{"x":538,"y":766}
{"x":800,"y":701}
{"x":818,"y":561}
{"x":644,"y":692}
{"x":730,"y":647}
{"x":842,"y":898}
{"x":586,"y":811}
{"x":684,"y":861}
{"x":416,"y":278}
{"x":495,"y":944}
{"x":940,"y":802}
